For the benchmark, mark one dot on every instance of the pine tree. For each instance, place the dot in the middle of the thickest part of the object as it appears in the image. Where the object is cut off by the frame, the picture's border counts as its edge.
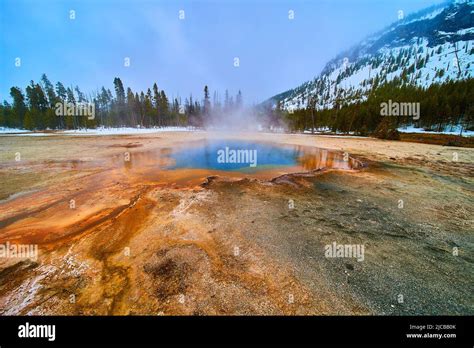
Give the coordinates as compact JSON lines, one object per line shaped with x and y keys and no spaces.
{"x":148,"y":106}
{"x":48,"y":87}
{"x":120,"y":100}
{"x":131,"y":108}
{"x":156,"y":104}
{"x":238,"y":100}
{"x":28,"y":122}
{"x":226,"y":101}
{"x":207,"y":102}
{"x":61,"y":91}
{"x":38,"y":104}
{"x":164,"y":107}
{"x":19,"y":107}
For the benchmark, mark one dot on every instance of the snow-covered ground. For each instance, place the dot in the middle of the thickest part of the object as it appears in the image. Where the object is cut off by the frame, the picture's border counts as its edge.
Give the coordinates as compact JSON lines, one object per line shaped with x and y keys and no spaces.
{"x":327,"y":131}
{"x":4,"y":130}
{"x":96,"y":131}
{"x":448,"y":130}
{"x":124,"y":130}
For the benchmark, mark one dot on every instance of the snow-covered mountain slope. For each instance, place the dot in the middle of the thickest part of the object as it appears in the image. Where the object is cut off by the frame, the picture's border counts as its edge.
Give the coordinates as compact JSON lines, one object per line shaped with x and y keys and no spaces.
{"x":431,"y":46}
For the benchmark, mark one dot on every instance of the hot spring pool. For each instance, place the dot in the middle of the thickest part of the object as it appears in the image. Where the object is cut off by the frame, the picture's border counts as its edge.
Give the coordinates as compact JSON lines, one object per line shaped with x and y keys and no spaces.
{"x":252,"y":157}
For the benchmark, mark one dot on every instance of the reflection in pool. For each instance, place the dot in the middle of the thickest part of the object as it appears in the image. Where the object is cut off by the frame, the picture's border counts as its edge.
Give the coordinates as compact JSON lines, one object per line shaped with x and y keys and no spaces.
{"x":251,"y":157}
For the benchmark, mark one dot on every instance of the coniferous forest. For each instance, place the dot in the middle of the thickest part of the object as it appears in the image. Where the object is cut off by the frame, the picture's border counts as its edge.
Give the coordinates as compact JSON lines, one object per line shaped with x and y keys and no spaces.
{"x":34,"y":108}
{"x":441,"y":106}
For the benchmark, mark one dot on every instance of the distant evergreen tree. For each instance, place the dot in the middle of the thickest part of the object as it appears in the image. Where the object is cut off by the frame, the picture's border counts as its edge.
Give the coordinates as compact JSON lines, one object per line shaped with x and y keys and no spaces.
{"x":120,"y":101}
{"x":18,"y":109}
{"x":238,"y":100}
{"x":226,"y":101}
{"x":156,"y":104}
{"x":164,"y":107}
{"x":148,"y":109}
{"x":131,"y":107}
{"x":29,"y":123}
{"x":48,"y":87}
{"x":207,"y":102}
{"x":38,"y":104}
{"x":70,"y":121}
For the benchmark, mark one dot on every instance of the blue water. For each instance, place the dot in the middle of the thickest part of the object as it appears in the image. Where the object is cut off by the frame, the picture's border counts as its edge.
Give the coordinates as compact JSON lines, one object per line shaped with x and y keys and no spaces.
{"x":205,"y":155}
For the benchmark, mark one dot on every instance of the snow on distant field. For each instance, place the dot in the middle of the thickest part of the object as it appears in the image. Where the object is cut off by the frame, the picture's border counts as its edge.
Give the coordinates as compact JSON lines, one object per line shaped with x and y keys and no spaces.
{"x":95,"y":131}
{"x":30,"y":134}
{"x":449,"y":130}
{"x":327,"y":131}
{"x":22,"y":132}
{"x":123,"y":131}
{"x":4,"y":130}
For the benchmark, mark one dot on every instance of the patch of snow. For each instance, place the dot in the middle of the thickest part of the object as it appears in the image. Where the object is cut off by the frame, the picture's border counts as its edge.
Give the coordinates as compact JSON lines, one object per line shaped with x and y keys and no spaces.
{"x":465,"y":31}
{"x":30,"y":134}
{"x":94,"y":131}
{"x":455,"y":130}
{"x":425,"y":17}
{"x":124,"y":130}
{"x":4,"y":130}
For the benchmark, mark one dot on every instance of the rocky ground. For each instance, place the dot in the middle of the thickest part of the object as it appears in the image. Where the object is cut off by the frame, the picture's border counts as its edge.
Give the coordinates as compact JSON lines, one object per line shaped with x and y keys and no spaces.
{"x":119,"y":238}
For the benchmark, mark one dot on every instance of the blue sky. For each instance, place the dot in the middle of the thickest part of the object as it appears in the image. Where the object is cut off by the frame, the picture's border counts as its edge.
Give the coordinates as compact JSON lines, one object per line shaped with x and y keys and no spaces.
{"x":275,"y":53}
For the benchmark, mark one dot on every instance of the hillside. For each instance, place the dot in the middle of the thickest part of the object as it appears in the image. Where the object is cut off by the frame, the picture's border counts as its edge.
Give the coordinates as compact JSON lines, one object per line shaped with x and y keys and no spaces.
{"x":429,"y":47}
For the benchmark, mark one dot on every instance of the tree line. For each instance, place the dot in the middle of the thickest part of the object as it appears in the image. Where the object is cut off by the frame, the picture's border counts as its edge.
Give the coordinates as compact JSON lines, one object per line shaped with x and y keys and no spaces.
{"x":441,"y":106}
{"x":35,"y":107}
